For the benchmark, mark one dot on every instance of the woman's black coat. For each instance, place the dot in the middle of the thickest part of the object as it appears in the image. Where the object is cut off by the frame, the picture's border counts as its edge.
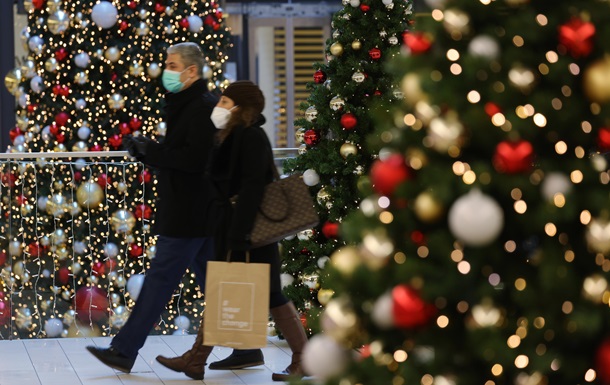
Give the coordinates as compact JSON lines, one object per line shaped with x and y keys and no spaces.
{"x":240,"y":166}
{"x":181,"y":160}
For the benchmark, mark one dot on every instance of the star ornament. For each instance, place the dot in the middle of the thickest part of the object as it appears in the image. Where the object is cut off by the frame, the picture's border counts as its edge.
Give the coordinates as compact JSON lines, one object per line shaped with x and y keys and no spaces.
{"x":577,"y":37}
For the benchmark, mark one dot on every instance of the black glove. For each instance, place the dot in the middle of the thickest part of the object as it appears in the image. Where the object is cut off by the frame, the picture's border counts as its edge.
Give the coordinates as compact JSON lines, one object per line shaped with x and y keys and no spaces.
{"x":140,"y":143}
{"x":129,"y":145}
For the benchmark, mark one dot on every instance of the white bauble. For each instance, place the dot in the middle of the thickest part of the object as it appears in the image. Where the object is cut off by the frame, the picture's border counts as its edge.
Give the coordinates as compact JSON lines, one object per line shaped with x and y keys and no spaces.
{"x":82,"y":60}
{"x":134,"y":285}
{"x":207,"y":72}
{"x":42,"y":203}
{"x":311,"y":177}
{"x":484,"y":46}
{"x":286,"y":279}
{"x":80,"y":247}
{"x":323,"y":357}
{"x":322,"y":261}
{"x":195,"y":23}
{"x":386,"y":2}
{"x":382,"y":313}
{"x":80,"y":163}
{"x":182,"y":322}
{"x":476,"y":219}
{"x":84,"y":132}
{"x":19,"y":139}
{"x":104,"y":14}
{"x":23,"y":100}
{"x":111,"y":250}
{"x":46,"y":133}
{"x":36,"y":44}
{"x":14,"y":248}
{"x":354,"y":3}
{"x":53,"y":327}
{"x":80,"y":104}
{"x":37,"y":84}
{"x":555,"y":183}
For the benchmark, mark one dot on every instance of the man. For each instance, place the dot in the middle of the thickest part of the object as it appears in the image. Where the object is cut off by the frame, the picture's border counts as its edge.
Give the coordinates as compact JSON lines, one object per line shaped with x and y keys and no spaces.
{"x":182,"y":239}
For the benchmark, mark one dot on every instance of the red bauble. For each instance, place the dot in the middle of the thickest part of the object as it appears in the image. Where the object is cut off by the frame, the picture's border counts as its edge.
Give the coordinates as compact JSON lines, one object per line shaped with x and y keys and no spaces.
{"x":491,"y":109}
{"x":145,"y":176}
{"x":417,"y":42}
{"x":602,"y":362}
{"x":114,"y":77}
{"x":2,"y":259}
{"x":135,"y":250}
{"x":124,"y":128}
{"x":132,"y":4}
{"x":348,"y":121}
{"x":38,"y":4}
{"x":78,"y":176}
{"x":184,"y":23}
{"x":91,"y":303}
{"x":218,"y":15}
{"x":377,"y":93}
{"x":143,"y":211}
{"x":34,"y":249}
{"x":62,"y":118}
{"x":21,"y":199}
{"x":216,"y":26}
{"x":103,"y":180}
{"x":303,"y":318}
{"x":603,"y":139}
{"x":364,"y":8}
{"x":375,"y":53}
{"x":577,"y":37}
{"x":96,"y":147}
{"x":14,"y":132}
{"x":418,"y":237}
{"x":63,"y":275}
{"x":56,"y":89}
{"x":319,"y":77}
{"x":135,"y":123}
{"x":61,"y":54}
{"x":330,"y":229}
{"x":54,"y":128}
{"x":110,"y":264}
{"x":159,"y":8}
{"x":8,"y":179}
{"x":409,"y":309}
{"x":60,"y":137}
{"x":5,"y":312}
{"x":513,"y":157}
{"x":32,"y":107}
{"x":387,"y":174}
{"x":209,"y":20}
{"x":115,"y":141}
{"x":64,"y":91}
{"x":98,"y":268}
{"x":311,"y":137}
{"x":123,"y":25}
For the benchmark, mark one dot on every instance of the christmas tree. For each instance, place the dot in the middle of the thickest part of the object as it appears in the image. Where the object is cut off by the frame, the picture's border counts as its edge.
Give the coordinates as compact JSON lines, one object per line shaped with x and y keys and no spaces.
{"x":76,"y":231}
{"x":332,"y":155}
{"x":481,"y":253}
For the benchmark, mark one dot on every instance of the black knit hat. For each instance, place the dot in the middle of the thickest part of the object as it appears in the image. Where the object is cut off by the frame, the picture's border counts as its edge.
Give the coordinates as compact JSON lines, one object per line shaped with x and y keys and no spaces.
{"x":245,"y":94}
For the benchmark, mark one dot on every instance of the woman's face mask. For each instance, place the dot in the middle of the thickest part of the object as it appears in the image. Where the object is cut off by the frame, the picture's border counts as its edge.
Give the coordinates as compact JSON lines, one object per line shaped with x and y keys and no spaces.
{"x":171,"y":80}
{"x":220,"y":116}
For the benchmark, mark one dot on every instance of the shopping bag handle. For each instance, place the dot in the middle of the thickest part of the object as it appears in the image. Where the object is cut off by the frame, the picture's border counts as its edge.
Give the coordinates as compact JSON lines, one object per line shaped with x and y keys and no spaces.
{"x":247,"y":256}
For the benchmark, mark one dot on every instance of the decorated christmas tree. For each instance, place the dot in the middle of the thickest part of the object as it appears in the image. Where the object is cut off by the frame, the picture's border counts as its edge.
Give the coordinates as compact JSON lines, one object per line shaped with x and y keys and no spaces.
{"x":481,"y":253}
{"x":366,"y":34}
{"x":76,"y":231}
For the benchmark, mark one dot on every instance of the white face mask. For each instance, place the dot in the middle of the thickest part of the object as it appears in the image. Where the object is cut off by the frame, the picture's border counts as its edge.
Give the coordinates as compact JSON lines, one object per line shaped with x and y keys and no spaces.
{"x":220,"y":117}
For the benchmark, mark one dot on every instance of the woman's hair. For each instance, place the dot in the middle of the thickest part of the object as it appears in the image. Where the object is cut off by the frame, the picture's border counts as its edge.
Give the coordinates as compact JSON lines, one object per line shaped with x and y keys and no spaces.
{"x":190,"y":53}
{"x":243,"y":116}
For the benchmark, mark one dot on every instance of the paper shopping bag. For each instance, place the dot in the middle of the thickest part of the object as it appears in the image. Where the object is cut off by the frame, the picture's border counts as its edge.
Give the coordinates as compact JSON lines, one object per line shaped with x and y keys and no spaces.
{"x":237,"y":304}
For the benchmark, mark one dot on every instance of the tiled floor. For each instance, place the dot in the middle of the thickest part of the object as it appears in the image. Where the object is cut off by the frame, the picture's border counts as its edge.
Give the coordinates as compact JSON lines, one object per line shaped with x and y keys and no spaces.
{"x":66,"y":362}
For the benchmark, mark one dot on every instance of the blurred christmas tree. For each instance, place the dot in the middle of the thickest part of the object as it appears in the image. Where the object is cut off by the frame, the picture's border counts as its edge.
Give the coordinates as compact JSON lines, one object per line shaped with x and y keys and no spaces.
{"x":76,"y":233}
{"x":481,"y":254}
{"x":365,"y":35}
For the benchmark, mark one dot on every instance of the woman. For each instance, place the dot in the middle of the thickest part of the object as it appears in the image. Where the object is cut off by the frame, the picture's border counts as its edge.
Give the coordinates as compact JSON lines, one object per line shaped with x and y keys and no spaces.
{"x":240,"y":167}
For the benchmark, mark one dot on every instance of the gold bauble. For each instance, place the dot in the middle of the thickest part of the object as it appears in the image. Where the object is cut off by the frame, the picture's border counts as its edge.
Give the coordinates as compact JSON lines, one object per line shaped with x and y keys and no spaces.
{"x":116,"y":101}
{"x":324,"y":296}
{"x":80,"y":146}
{"x":416,"y":158}
{"x":427,"y":207}
{"x":28,"y":69}
{"x":27,"y":4}
{"x":356,"y":45}
{"x":122,"y":221}
{"x":89,"y":194}
{"x":81,"y":78}
{"x":12,"y":80}
{"x":411,"y":88}
{"x":598,"y":236}
{"x":345,"y":260}
{"x":58,"y":22}
{"x":336,"y":49}
{"x":456,"y":22}
{"x":348,"y":149}
{"x":136,"y":69}
{"x":300,"y":135}
{"x":22,"y":122}
{"x":56,"y":205}
{"x":322,"y":196}
{"x":53,"y":5}
{"x":596,"y":81}
{"x":445,"y":133}
{"x":143,"y":29}
{"x":336,"y":103}
{"x":51,"y":64}
{"x":340,"y":321}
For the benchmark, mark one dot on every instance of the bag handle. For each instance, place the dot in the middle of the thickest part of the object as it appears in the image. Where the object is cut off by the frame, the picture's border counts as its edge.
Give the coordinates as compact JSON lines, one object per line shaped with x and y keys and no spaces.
{"x":247,"y":256}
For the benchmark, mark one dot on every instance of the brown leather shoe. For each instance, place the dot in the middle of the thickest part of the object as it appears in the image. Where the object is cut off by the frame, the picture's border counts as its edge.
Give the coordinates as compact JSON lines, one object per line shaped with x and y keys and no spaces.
{"x":192,"y":362}
{"x":288,"y":321}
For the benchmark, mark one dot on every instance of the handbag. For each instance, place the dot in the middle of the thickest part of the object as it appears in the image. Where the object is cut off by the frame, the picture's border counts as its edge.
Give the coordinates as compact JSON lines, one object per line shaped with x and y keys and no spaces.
{"x":237,"y":304}
{"x":287,"y":208}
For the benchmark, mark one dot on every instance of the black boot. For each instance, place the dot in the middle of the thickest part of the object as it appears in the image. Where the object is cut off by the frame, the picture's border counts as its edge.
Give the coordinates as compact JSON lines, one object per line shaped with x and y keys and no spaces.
{"x":239,"y":359}
{"x":113,"y":358}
